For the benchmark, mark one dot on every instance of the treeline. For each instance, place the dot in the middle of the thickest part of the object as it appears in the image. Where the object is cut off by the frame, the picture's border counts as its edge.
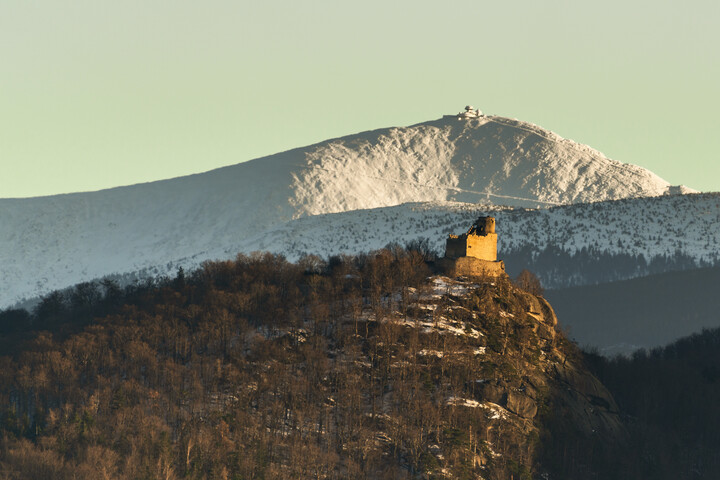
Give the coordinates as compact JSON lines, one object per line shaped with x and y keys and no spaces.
{"x":558,"y":268}
{"x":671,"y":397}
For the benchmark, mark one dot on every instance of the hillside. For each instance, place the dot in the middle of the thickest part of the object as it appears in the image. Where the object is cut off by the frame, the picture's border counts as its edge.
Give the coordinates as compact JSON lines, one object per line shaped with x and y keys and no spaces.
{"x":644,"y":312}
{"x":53,"y":242}
{"x":257,"y":368}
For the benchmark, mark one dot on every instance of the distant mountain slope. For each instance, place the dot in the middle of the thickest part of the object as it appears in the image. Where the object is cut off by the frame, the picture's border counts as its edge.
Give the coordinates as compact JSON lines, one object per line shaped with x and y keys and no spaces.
{"x":51,"y":242}
{"x":644,"y":312}
{"x":567,"y":245}
{"x":656,"y":229}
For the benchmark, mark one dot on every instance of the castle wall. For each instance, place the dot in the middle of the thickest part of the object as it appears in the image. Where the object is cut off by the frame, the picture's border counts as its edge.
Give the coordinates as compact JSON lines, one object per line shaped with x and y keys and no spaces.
{"x":456,"y":247}
{"x":473,"y":254}
{"x":471,"y":267}
{"x":482,"y":247}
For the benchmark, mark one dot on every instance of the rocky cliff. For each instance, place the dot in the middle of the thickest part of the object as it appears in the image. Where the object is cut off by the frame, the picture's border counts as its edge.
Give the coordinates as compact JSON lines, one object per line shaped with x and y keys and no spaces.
{"x":533,"y":379}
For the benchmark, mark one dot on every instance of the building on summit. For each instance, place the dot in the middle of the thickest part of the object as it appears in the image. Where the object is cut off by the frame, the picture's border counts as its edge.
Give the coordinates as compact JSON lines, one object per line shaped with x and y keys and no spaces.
{"x":469,"y":112}
{"x":473,"y":253}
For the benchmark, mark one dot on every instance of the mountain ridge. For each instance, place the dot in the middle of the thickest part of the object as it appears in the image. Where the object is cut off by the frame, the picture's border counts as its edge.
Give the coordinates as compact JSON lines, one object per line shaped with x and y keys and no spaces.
{"x":481,"y":158}
{"x":52,"y":242}
{"x":647,"y":227}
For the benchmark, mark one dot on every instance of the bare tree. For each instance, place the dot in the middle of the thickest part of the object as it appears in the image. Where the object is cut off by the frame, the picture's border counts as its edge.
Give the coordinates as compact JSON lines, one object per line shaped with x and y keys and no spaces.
{"x":528,"y":281}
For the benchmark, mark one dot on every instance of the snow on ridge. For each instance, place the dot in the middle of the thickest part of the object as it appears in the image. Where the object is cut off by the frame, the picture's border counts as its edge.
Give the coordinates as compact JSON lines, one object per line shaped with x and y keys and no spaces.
{"x":651,"y":227}
{"x":48,"y":243}
{"x":647,"y":226}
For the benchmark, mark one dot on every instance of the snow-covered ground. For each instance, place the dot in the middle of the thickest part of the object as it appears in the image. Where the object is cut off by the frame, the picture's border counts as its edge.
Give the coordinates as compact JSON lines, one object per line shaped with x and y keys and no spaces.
{"x":52,"y":242}
{"x":689,"y":224}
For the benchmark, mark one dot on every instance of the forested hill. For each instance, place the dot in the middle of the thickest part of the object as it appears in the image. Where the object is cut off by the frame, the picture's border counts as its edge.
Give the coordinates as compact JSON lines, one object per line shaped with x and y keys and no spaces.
{"x":360,"y":367}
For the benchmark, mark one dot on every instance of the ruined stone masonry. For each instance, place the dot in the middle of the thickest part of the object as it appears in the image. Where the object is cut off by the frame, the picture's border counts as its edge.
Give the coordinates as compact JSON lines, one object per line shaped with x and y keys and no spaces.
{"x":473,"y":253}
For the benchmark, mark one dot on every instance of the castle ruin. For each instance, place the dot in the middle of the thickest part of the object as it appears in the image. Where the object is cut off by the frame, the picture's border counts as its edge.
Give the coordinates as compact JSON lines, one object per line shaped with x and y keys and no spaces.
{"x":473,"y":253}
{"x":480,"y":241}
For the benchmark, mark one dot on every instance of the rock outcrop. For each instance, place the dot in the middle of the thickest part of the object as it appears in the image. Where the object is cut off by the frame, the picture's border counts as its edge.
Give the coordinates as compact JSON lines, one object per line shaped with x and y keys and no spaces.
{"x":534,"y":383}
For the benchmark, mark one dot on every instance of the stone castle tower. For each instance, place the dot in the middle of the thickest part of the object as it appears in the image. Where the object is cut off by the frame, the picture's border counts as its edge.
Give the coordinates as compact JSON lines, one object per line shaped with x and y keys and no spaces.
{"x":480,"y":241}
{"x":473,"y":253}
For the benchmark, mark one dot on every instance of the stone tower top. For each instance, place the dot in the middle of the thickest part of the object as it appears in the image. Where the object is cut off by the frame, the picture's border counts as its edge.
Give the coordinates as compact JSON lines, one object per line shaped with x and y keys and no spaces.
{"x":479,"y":242}
{"x":483,"y":226}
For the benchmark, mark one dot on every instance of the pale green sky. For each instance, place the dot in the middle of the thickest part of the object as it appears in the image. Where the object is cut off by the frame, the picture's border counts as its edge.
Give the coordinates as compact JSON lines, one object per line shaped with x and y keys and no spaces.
{"x":99,"y":93}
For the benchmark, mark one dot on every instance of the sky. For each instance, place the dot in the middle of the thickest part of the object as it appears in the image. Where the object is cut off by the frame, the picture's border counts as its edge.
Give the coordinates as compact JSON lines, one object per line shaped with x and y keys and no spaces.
{"x":97,"y":93}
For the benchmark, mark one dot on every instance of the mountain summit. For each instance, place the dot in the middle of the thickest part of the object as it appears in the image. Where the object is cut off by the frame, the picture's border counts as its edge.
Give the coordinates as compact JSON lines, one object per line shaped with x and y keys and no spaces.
{"x":52,"y":242}
{"x":462,"y":158}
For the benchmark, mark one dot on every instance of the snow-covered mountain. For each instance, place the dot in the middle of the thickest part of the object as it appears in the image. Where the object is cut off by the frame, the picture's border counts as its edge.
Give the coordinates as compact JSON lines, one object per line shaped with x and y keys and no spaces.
{"x":490,"y":159}
{"x":51,"y":242}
